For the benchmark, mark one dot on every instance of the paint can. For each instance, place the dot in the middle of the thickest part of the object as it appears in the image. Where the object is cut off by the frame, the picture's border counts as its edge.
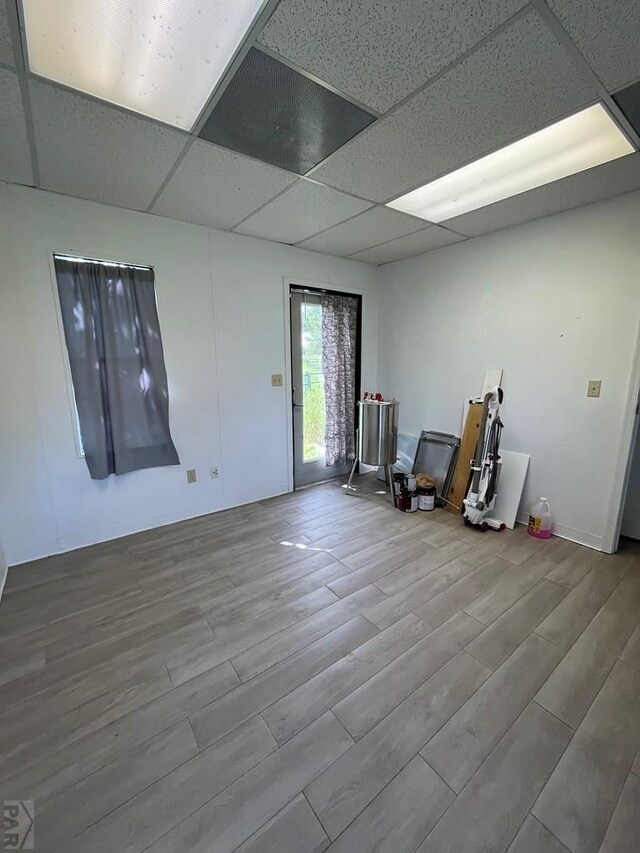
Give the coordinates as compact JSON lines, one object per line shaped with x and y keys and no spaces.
{"x":410,"y":480}
{"x":398,"y":481}
{"x":427,"y":499}
{"x":407,"y":501}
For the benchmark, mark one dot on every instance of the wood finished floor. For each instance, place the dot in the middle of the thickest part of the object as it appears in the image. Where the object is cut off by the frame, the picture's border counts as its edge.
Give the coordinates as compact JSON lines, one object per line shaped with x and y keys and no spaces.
{"x":320,"y":672}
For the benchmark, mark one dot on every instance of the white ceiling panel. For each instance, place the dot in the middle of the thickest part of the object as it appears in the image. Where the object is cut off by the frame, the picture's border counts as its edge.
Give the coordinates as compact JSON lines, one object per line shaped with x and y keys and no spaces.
{"x":376,"y":51}
{"x":301,"y":211}
{"x":582,"y":141}
{"x":405,"y":247}
{"x":518,"y":82}
{"x":607,"y":34}
{"x":94,"y":151}
{"x":6,"y":51}
{"x":605,"y":181}
{"x":160,"y":58}
{"x":15,"y":160}
{"x":369,"y":228}
{"x":216,"y":187}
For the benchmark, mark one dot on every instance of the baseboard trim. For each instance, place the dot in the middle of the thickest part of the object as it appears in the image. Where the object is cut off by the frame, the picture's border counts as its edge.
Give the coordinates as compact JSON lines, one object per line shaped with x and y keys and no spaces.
{"x":581,"y":537}
{"x":67,"y":545}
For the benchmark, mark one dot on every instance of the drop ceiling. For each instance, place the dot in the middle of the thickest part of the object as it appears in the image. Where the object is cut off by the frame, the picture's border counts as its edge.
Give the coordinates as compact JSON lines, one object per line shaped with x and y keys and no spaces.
{"x":382,"y":97}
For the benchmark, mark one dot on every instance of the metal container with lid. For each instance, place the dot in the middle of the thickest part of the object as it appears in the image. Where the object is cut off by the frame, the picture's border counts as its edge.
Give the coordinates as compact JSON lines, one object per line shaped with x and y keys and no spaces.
{"x":377,"y":432}
{"x":427,"y":498}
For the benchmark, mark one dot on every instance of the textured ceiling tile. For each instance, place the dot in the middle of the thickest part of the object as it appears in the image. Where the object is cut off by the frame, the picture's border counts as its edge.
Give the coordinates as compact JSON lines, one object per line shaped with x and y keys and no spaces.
{"x":607,"y":34}
{"x":301,"y":211}
{"x":15,"y":160}
{"x":6,"y":51}
{"x":515,"y":84}
{"x":93,"y":151}
{"x":611,"y":179}
{"x":405,"y":247}
{"x":376,"y":51}
{"x":218,"y":188}
{"x":371,"y":227}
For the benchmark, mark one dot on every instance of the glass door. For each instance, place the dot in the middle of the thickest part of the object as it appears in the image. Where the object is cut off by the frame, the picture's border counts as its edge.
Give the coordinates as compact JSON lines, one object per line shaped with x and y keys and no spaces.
{"x":309,"y":418}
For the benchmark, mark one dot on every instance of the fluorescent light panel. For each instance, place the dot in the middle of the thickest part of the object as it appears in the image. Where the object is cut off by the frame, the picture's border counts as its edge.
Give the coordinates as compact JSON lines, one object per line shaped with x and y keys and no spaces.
{"x":586,"y":139}
{"x":161,"y":58}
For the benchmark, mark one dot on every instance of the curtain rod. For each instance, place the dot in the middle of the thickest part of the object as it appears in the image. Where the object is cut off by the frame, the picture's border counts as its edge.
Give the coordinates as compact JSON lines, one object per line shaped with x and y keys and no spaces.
{"x":82,"y":260}
{"x":323,"y":290}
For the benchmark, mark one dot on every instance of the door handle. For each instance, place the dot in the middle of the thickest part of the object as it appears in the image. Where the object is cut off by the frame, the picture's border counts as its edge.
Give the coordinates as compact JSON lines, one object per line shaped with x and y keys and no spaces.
{"x":298,"y":406}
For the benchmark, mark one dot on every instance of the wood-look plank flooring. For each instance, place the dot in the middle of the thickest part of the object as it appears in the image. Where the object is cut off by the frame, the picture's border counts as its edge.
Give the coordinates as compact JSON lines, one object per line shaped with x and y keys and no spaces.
{"x":321,"y":672}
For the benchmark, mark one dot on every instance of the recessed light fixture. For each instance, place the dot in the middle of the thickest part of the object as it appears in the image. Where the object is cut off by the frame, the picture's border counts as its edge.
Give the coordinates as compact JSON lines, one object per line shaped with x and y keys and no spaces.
{"x":586,"y":139}
{"x":161,"y":58}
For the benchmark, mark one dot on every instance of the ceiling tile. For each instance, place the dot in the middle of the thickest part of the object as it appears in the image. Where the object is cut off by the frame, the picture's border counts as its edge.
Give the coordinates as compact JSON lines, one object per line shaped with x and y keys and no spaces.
{"x":515,"y":84}
{"x":301,"y":211}
{"x":607,"y":34}
{"x":218,"y":188}
{"x":605,"y":181}
{"x":275,"y":114}
{"x":6,"y":51}
{"x":376,"y":51}
{"x":369,"y":228}
{"x":405,"y":247}
{"x":93,"y":151}
{"x":15,"y":160}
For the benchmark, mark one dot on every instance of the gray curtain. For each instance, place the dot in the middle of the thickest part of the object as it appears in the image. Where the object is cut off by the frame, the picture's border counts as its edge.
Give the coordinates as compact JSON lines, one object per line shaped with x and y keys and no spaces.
{"x":117,"y":366}
{"x":339,"y":349}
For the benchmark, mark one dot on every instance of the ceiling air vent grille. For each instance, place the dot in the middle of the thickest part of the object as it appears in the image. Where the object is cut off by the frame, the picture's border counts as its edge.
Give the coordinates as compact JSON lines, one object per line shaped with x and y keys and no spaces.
{"x":279,"y":116}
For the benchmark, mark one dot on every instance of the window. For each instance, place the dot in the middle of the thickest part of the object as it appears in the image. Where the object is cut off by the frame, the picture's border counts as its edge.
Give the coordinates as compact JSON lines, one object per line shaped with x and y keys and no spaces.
{"x":314,"y":420}
{"x":76,"y":424}
{"x":112,"y":333}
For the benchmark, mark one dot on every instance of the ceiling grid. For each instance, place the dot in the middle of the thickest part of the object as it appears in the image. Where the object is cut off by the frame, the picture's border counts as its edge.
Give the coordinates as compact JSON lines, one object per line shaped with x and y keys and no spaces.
{"x":11,"y":28}
{"x":446,"y":83}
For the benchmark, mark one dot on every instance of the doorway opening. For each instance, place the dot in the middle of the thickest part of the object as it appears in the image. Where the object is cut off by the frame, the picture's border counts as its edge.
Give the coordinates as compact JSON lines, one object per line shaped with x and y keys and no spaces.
{"x":630,"y":518}
{"x":326,"y":330}
{"x":623,"y":529}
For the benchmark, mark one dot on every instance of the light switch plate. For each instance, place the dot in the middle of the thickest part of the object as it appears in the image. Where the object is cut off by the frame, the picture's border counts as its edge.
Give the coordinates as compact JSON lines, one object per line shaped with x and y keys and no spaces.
{"x":276,"y":380}
{"x":191,"y":475}
{"x":593,"y":389}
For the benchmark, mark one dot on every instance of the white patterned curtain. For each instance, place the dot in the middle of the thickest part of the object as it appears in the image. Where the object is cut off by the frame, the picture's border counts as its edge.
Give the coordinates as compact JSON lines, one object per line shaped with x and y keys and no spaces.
{"x":339,"y":347}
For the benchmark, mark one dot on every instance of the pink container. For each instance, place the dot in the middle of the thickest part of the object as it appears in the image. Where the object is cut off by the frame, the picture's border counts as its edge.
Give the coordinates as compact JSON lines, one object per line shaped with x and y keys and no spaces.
{"x":540,"y":519}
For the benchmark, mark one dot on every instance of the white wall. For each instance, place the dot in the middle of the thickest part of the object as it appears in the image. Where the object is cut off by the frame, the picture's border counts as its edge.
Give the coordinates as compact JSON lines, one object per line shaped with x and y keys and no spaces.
{"x":221,"y":307}
{"x":555,"y":303}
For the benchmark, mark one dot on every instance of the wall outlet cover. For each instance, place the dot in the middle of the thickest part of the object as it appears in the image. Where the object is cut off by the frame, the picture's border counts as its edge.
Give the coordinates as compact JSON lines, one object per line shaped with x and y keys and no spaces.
{"x":191,"y":475}
{"x":276,"y":380}
{"x":593,"y":389}
{"x":215,"y":472}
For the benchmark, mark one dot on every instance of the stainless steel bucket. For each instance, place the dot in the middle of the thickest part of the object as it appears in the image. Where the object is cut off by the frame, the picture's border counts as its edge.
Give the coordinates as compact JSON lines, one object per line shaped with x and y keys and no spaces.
{"x":378,"y":432}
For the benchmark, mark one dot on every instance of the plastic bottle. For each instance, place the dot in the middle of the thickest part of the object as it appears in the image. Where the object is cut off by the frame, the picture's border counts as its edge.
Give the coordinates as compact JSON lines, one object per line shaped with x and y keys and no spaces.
{"x":540,"y":519}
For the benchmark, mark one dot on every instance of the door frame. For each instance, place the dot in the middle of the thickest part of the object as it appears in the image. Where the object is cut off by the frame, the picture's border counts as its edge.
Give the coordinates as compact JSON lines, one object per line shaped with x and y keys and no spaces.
{"x":328,"y":287}
{"x":630,"y":425}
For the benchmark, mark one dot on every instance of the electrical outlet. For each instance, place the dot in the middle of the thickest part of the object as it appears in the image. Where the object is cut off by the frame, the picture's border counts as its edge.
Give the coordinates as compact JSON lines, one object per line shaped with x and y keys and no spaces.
{"x":593,"y":389}
{"x":191,"y":475}
{"x":276,"y":380}
{"x":215,"y":472}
